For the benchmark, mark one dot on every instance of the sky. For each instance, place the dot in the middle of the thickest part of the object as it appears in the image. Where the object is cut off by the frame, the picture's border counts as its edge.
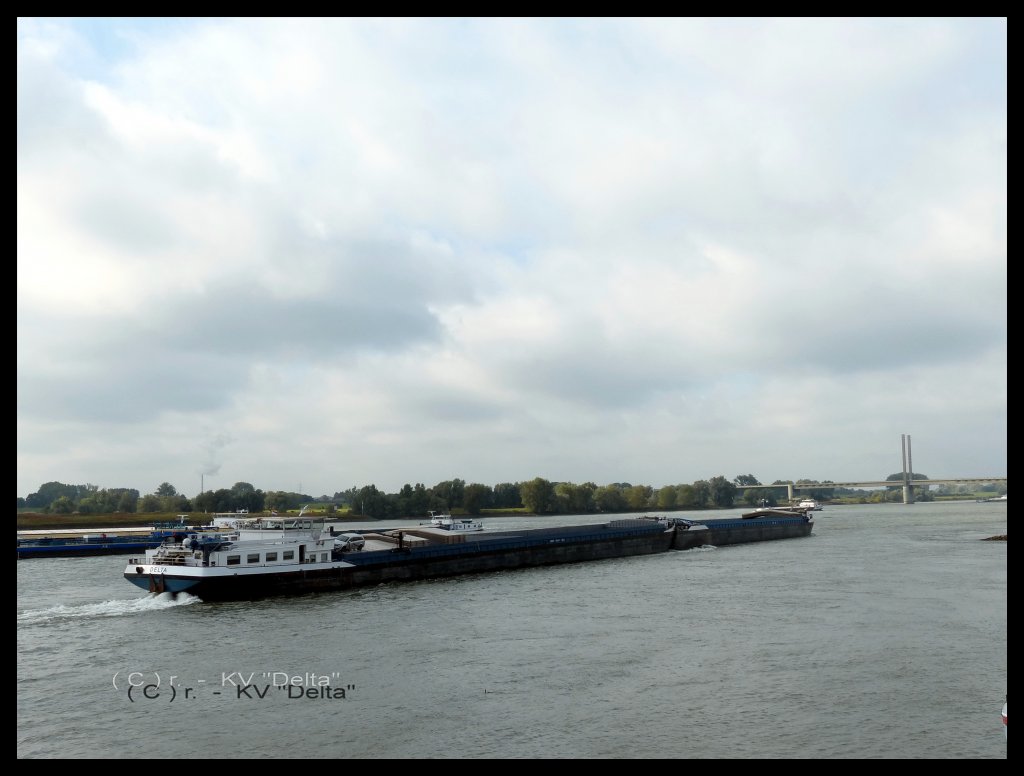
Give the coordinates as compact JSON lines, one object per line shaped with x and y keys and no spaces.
{"x":315,"y":254}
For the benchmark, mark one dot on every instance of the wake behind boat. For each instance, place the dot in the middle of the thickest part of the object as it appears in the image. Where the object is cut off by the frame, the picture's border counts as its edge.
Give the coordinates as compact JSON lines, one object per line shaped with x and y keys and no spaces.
{"x":995,"y":499}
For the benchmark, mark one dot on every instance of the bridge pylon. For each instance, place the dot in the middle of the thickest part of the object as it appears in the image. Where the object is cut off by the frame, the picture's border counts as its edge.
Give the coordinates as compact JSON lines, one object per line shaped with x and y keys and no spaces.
{"x":908,"y":470}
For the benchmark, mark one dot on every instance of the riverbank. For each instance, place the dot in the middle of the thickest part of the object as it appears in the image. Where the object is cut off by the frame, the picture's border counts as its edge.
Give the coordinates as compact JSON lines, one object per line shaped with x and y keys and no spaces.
{"x":38,"y":521}
{"x":41,"y":521}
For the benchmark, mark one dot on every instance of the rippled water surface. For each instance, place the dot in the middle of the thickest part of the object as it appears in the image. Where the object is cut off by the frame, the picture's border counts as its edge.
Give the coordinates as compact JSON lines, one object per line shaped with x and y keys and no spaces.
{"x":882,"y":635}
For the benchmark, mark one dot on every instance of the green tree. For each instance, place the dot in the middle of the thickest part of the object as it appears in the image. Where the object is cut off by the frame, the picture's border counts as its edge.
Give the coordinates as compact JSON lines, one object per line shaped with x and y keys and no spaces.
{"x":451,"y":492}
{"x":166,"y":489}
{"x":49,"y":492}
{"x":176,"y":503}
{"x":582,"y":501}
{"x":506,"y":495}
{"x":373,"y":503}
{"x":723,"y":492}
{"x":90,"y":506}
{"x":476,"y":497}
{"x":573,"y":499}
{"x":701,"y":493}
{"x":62,"y":505}
{"x":404,"y":500}
{"x":214,"y":501}
{"x":639,"y":497}
{"x":537,"y":495}
{"x":667,"y":497}
{"x":610,"y":498}
{"x":686,"y":496}
{"x":127,"y":500}
{"x":420,"y":500}
{"x":277,"y":501}
{"x":346,"y":497}
{"x":245,"y":496}
{"x":150,"y":503}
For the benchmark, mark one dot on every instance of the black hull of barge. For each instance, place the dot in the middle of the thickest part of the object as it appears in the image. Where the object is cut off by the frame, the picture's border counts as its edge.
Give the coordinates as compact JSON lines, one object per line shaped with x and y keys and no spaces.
{"x":409,"y":566}
{"x":412,"y":564}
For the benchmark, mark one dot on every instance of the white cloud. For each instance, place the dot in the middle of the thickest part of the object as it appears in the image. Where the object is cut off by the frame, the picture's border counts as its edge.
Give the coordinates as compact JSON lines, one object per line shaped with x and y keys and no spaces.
{"x":389,"y":252}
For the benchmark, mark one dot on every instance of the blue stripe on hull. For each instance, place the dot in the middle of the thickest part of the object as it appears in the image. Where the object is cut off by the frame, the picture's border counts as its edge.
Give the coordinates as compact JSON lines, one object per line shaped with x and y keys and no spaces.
{"x":81,"y":550}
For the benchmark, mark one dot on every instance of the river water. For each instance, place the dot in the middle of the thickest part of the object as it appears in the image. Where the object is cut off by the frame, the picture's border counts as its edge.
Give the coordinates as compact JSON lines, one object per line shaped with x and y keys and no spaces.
{"x":882,"y":635}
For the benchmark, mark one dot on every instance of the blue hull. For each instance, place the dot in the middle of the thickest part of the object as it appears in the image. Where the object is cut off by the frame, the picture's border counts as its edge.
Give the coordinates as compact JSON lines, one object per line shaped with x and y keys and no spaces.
{"x":111,"y":545}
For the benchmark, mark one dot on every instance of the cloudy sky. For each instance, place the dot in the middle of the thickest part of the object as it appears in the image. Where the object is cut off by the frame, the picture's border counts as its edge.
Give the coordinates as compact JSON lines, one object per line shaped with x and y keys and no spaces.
{"x":317,"y":254}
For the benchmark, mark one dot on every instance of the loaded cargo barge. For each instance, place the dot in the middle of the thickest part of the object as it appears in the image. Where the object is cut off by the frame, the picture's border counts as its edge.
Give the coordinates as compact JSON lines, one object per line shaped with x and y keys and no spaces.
{"x":100,"y":541}
{"x":291,"y":557}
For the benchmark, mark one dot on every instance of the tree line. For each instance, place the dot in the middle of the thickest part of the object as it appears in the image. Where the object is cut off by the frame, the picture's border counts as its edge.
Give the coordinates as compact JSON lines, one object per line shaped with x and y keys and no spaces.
{"x":539,"y":496}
